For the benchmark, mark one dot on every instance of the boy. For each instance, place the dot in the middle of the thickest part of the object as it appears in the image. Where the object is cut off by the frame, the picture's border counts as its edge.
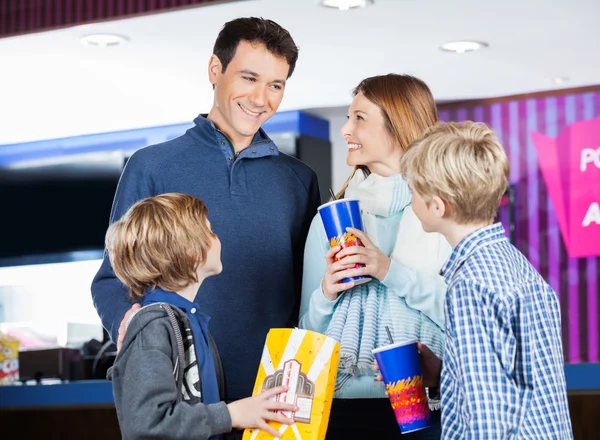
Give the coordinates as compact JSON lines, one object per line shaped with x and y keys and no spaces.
{"x":502,"y":375}
{"x":165,"y":377}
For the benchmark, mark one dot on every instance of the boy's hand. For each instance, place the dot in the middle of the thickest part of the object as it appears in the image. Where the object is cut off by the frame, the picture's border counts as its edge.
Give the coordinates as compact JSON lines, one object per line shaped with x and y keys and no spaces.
{"x":378,"y":375}
{"x":430,"y":363}
{"x":254,"y":412}
{"x":122,"y":327}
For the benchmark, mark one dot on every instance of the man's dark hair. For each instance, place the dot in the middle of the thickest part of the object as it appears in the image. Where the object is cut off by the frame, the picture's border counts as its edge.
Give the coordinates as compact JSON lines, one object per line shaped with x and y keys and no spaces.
{"x":276,"y":39}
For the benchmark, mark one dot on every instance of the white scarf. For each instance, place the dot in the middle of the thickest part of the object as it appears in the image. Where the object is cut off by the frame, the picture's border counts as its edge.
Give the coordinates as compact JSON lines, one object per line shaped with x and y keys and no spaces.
{"x":355,"y":322}
{"x":385,"y":197}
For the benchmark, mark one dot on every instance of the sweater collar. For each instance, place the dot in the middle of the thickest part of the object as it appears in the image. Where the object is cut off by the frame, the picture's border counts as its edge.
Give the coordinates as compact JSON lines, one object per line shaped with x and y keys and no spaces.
{"x":261,"y":144}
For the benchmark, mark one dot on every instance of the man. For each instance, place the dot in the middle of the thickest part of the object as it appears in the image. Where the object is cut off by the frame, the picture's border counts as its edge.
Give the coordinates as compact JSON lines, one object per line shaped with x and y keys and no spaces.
{"x":260,"y":202}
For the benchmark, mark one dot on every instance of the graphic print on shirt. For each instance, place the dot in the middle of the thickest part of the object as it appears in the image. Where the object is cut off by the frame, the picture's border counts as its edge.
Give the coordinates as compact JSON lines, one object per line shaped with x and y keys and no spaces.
{"x":191,"y":370}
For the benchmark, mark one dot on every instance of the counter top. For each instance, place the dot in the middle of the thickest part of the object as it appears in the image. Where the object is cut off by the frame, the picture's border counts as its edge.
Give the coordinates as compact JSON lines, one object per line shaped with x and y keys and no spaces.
{"x":85,"y":393}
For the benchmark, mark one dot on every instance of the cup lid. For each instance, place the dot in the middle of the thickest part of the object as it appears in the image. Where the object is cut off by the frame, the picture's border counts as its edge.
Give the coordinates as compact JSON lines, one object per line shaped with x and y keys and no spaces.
{"x":333,"y":202}
{"x":394,"y":345}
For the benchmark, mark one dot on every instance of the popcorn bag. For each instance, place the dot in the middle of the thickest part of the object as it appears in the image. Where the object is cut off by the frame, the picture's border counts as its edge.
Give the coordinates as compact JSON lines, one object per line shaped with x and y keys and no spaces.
{"x":307,"y":363}
{"x":9,"y":360}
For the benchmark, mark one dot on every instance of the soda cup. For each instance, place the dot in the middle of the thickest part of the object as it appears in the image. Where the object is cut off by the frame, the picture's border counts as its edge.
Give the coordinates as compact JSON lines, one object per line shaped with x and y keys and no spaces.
{"x":338,"y":215}
{"x":400,"y":367}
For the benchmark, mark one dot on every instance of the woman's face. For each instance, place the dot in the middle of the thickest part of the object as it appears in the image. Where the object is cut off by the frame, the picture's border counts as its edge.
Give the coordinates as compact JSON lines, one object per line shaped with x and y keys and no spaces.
{"x":369,"y":141}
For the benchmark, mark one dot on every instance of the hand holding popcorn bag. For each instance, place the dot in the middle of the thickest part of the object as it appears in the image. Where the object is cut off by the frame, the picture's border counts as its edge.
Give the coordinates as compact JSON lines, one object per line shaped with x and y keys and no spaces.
{"x":306,"y":362}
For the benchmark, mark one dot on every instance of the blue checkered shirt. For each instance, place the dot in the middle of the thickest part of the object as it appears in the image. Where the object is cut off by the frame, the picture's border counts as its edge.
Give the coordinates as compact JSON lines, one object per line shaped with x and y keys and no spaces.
{"x":503,"y":372}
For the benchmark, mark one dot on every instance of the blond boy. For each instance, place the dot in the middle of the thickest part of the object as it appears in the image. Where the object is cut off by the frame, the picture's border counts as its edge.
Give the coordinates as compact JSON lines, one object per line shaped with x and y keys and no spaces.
{"x":167,"y":377}
{"x":502,"y":376}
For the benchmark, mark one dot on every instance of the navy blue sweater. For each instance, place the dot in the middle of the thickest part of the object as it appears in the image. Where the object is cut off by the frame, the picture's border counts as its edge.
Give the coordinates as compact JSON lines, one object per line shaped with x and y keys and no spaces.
{"x":260,"y":205}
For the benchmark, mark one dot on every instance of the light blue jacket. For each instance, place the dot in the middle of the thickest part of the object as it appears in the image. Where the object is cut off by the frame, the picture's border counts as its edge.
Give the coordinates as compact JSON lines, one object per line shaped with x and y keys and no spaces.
{"x":316,"y":310}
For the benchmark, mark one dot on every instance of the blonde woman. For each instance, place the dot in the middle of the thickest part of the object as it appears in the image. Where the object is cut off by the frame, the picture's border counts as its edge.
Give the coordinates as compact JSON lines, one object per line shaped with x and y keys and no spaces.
{"x":406,"y":293}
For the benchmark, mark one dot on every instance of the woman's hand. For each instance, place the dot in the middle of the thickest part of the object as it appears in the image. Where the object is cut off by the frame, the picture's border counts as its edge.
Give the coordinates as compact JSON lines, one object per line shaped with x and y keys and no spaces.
{"x":376,"y":262}
{"x":335,"y":272}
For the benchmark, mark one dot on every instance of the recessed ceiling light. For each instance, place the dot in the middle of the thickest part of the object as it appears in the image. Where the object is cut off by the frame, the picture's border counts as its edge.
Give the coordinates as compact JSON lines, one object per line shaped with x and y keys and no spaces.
{"x":560,"y":79}
{"x":344,"y":5}
{"x":462,"y":46}
{"x":103,"y":40}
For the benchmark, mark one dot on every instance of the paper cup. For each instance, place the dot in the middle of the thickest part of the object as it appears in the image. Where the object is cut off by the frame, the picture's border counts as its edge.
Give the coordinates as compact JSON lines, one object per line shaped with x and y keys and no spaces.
{"x":401,"y":370}
{"x":337,"y":216}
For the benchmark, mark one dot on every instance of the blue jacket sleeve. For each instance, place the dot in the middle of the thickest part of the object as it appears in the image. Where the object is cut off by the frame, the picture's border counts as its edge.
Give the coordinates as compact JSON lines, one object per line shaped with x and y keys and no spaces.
{"x":110,"y":296}
{"x":315,"y":309}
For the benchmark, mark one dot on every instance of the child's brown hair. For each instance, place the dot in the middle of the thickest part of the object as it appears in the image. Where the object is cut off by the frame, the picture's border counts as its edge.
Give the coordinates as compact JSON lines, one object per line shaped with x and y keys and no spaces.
{"x":160,"y":242}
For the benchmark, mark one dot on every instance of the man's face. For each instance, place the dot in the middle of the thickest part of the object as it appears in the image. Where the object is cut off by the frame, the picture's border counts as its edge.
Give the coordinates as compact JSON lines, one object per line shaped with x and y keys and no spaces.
{"x":249,"y":92}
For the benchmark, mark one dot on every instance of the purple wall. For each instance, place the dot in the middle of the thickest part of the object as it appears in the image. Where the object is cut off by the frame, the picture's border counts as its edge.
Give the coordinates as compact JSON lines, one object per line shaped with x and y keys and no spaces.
{"x":537,"y":235}
{"x":22,"y":16}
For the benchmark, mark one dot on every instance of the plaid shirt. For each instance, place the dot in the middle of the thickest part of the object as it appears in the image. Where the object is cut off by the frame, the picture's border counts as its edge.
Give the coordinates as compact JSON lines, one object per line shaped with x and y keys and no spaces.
{"x":503,"y":373}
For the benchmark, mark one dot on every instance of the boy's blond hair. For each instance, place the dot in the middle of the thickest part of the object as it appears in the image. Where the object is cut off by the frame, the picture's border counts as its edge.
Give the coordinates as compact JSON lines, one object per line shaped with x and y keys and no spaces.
{"x":463,"y":164}
{"x":160,"y":242}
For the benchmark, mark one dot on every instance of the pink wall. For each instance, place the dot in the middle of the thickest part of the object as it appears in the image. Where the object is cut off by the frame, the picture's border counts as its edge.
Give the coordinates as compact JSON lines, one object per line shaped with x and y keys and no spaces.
{"x":537,"y":231}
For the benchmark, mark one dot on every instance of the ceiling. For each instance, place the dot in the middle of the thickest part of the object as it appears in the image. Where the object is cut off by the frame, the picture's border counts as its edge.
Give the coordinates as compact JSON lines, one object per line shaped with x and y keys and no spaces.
{"x":52,"y":86}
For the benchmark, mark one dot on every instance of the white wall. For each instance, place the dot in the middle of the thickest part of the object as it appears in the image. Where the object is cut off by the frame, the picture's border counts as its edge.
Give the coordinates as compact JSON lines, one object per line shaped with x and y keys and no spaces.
{"x":339,"y":150}
{"x":50,"y":301}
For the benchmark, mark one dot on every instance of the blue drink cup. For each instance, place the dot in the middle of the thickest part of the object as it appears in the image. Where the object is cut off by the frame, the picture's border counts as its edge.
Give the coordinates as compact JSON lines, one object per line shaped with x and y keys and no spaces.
{"x":403,"y":378}
{"x":337,"y":216}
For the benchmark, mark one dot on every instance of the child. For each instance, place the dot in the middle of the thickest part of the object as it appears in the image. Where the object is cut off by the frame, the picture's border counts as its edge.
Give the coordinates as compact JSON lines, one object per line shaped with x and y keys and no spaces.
{"x":166,"y":375}
{"x":502,"y":375}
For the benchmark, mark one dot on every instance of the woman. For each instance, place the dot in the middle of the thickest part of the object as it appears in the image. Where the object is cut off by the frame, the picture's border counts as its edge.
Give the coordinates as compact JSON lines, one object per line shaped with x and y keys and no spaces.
{"x":406,"y":293}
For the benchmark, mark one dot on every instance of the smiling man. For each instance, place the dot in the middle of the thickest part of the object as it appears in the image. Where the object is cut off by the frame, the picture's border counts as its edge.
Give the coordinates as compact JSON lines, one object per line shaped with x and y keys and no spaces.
{"x":260,"y":201}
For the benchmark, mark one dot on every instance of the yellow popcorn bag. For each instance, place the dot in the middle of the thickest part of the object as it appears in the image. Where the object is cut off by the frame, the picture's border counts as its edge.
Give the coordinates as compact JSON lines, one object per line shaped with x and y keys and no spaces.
{"x":307,"y":363}
{"x":9,"y":360}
